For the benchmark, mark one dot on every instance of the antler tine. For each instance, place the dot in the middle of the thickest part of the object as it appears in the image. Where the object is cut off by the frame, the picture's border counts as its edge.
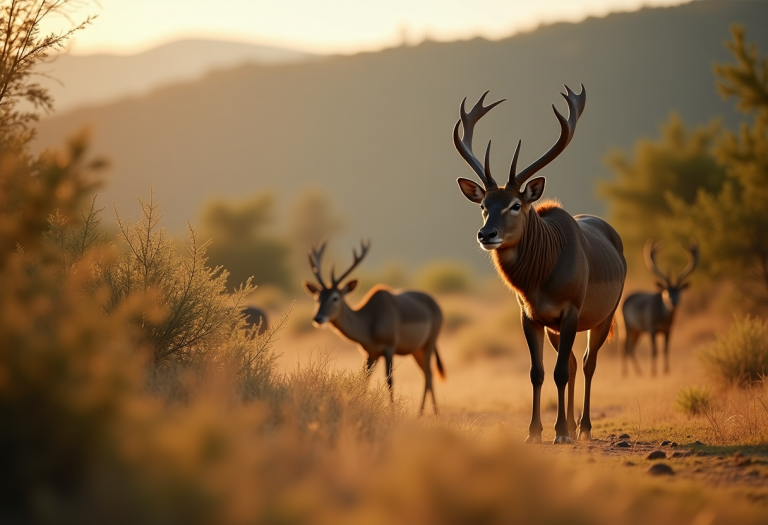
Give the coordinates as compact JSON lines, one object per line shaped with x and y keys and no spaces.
{"x":576,"y":102}
{"x":464,"y":145}
{"x":315,"y":256}
{"x":356,"y":259}
{"x":651,"y":249}
{"x":693,"y":260}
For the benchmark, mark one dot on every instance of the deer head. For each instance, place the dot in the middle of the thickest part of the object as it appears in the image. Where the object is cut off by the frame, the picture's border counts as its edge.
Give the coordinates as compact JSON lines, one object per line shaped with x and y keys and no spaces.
{"x":671,"y":289}
{"x":329,"y":299}
{"x":505,"y":210}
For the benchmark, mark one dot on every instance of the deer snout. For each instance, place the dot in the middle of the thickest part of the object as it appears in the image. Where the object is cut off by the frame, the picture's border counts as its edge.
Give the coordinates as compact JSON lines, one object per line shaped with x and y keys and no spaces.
{"x":320,"y":319}
{"x":488,"y":236}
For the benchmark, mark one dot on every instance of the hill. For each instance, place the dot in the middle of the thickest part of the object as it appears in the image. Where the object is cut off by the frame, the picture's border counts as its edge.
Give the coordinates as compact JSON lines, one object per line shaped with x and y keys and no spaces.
{"x":90,"y":80}
{"x":373,"y":130}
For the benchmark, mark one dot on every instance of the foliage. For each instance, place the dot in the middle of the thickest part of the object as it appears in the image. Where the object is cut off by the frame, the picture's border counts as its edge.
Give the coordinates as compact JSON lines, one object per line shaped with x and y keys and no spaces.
{"x":694,"y":400}
{"x":23,"y":46}
{"x":740,"y":356}
{"x":312,"y":219}
{"x":680,"y":163}
{"x":240,"y":244}
{"x":445,"y":277}
{"x":731,"y":223}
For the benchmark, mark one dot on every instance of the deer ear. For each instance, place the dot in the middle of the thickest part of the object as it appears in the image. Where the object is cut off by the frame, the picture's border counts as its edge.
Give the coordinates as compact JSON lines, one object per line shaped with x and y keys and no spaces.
{"x":311,"y":288}
{"x":471,"y":190}
{"x":534,"y":190}
{"x":660,"y":285}
{"x":349,"y":287}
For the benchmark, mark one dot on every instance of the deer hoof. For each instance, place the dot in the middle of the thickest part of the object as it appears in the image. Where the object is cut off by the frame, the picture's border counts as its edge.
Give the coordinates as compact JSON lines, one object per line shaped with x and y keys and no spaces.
{"x":563,"y":440}
{"x":533,"y":439}
{"x":585,"y":435}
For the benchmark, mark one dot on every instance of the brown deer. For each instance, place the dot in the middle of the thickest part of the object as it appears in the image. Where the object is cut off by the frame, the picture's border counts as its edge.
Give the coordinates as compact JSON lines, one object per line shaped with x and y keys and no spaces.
{"x":654,"y":313}
{"x":385,"y":323}
{"x":567,"y":272}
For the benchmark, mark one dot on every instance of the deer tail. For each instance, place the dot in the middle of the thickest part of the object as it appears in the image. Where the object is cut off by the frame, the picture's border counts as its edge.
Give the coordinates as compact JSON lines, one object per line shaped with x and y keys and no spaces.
{"x":439,"y":364}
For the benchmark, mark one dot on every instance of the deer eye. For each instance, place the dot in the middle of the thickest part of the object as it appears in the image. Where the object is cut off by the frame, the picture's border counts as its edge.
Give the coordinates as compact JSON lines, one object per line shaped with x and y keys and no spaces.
{"x":515,"y":206}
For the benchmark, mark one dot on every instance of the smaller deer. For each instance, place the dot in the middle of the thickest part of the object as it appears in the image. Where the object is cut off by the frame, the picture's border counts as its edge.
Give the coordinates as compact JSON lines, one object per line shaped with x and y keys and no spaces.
{"x":655,"y":312}
{"x":385,"y":323}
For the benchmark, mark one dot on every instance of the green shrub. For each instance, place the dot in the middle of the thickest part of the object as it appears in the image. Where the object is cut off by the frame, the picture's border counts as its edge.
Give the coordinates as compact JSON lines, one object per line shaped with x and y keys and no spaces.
{"x":693,"y":400}
{"x":740,"y":356}
{"x":445,"y":277}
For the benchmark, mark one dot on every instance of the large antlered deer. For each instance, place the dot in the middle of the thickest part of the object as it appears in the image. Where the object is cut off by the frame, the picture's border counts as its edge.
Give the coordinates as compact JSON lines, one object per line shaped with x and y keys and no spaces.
{"x":385,"y":323}
{"x":568,"y":272}
{"x":654,"y":312}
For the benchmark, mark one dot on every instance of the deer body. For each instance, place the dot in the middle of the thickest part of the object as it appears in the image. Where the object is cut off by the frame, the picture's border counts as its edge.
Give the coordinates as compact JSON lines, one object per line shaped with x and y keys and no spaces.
{"x":567,"y":272}
{"x":654,"y":313}
{"x":385,"y":323}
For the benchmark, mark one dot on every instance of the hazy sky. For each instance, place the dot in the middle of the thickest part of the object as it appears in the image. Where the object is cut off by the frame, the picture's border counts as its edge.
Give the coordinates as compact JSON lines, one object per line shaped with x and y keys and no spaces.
{"x":324,"y":26}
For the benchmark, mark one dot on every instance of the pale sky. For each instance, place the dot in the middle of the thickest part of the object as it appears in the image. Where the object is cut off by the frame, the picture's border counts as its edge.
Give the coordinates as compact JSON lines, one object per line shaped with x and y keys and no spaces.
{"x":323,"y":26}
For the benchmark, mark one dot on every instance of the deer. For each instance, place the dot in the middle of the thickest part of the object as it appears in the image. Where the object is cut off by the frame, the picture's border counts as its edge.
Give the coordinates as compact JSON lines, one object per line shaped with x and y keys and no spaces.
{"x":654,"y":313}
{"x":567,"y":271}
{"x":385,"y":323}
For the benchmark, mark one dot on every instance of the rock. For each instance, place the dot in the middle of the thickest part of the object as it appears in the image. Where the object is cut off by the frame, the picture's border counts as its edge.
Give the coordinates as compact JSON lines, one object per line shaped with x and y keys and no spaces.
{"x":673,"y":444}
{"x":697,"y":442}
{"x":624,"y":436}
{"x":665,"y":443}
{"x":622,"y":444}
{"x":656,"y":454}
{"x":629,"y":464}
{"x":679,"y":454}
{"x":661,"y":469}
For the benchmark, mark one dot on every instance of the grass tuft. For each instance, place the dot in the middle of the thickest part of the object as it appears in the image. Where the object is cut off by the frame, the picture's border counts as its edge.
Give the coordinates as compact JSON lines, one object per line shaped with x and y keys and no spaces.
{"x":740,"y":356}
{"x":694,"y":400}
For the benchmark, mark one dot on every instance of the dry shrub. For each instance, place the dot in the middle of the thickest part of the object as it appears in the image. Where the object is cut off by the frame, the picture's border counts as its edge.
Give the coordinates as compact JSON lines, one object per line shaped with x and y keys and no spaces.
{"x":445,"y":277}
{"x":693,"y":400}
{"x":741,"y":415}
{"x":740,"y":356}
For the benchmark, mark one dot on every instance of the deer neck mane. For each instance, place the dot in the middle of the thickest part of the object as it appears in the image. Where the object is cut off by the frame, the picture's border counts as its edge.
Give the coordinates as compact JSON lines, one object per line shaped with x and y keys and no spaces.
{"x":525,"y":266}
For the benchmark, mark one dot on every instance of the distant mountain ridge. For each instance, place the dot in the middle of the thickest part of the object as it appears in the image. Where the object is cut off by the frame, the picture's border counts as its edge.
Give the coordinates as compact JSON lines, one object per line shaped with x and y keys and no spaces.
{"x":90,"y":80}
{"x":374,"y":130}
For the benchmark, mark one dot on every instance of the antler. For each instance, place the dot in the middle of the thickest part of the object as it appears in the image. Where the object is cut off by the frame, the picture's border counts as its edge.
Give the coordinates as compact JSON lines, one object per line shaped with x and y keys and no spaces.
{"x":693,"y":260}
{"x":651,"y":249}
{"x":576,"y":103}
{"x":315,"y":256}
{"x":464,"y":145}
{"x":364,"y":247}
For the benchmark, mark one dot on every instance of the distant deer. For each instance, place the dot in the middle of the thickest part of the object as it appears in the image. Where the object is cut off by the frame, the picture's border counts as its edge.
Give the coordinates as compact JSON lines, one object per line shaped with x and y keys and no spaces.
{"x":568,"y":272}
{"x":385,"y":323}
{"x":254,"y":317}
{"x":654,"y":313}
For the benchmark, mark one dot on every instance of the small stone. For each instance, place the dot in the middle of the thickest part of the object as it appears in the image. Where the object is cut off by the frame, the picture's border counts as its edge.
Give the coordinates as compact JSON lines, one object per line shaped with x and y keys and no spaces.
{"x":665,"y":443}
{"x":624,"y":436}
{"x":661,"y":469}
{"x":697,"y":442}
{"x":656,"y":454}
{"x":629,"y":464}
{"x":674,"y":444}
{"x":679,"y":454}
{"x":622,"y":444}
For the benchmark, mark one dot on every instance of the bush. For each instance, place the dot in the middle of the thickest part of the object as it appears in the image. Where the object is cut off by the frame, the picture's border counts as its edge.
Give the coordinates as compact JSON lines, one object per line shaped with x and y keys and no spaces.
{"x":445,"y":277}
{"x":693,"y":400}
{"x":740,"y":356}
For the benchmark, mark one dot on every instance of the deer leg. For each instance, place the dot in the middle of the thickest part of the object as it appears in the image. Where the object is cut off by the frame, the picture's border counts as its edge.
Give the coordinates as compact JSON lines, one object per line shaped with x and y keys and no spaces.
{"x":666,"y":352}
{"x":554,"y":339}
{"x":654,"y":352}
{"x":629,"y":349}
{"x":369,"y":365}
{"x":568,"y":326}
{"x":534,"y":336}
{"x":595,"y":339}
{"x":423,"y":361}
{"x":388,"y":358}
